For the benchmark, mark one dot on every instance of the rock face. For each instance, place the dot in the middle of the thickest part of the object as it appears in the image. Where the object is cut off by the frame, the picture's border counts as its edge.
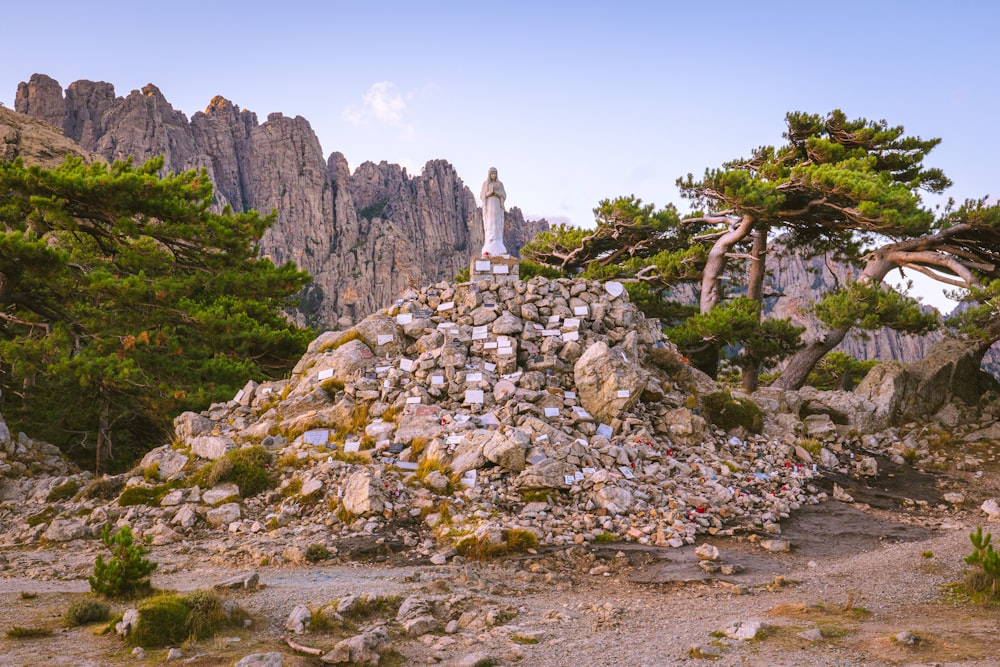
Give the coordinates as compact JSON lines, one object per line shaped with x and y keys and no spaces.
{"x":364,"y":237}
{"x":36,"y":142}
{"x":800,"y":279}
{"x":901,"y":392}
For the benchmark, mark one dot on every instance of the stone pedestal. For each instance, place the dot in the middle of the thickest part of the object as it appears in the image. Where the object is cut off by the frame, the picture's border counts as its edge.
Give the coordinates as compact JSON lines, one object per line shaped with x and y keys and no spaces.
{"x":503,"y":268}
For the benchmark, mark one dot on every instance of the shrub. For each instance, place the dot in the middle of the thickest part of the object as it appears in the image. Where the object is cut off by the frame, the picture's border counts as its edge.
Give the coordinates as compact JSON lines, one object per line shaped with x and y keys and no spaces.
{"x":162,"y":621}
{"x":247,"y":468}
{"x":143,"y":495}
{"x":727,"y":412}
{"x":103,"y":488}
{"x":85,"y":610}
{"x":316,"y":553}
{"x":64,"y":491}
{"x":19,"y":632}
{"x":983,"y":580}
{"x":126,"y":575}
{"x":44,"y":516}
{"x":207,"y":614}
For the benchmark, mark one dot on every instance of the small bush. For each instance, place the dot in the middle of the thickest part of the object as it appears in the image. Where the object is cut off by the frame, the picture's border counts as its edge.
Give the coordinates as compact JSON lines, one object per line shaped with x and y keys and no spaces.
{"x":162,"y":621}
{"x":247,"y":468}
{"x":64,"y":491}
{"x":317,"y":552}
{"x":126,"y":575}
{"x":667,"y":359}
{"x":728,"y":413}
{"x":520,"y":539}
{"x":19,"y":632}
{"x":44,"y":516}
{"x":605,"y":538}
{"x":207,"y":614}
{"x":143,"y":495}
{"x":811,"y":445}
{"x":983,"y":580}
{"x":84,"y":611}
{"x":102,"y":488}
{"x":28,"y":595}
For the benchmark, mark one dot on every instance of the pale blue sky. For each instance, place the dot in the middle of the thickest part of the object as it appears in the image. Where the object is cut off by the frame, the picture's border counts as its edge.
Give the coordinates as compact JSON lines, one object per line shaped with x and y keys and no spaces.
{"x":571,"y":101}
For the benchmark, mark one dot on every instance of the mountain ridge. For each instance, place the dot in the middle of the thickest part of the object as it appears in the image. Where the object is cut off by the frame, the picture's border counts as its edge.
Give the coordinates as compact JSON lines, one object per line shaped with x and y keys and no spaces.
{"x":404,"y":230}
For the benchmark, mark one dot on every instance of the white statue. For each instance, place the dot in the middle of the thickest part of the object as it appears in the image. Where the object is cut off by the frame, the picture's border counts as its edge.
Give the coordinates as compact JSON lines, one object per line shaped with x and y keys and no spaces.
{"x":493,"y":196}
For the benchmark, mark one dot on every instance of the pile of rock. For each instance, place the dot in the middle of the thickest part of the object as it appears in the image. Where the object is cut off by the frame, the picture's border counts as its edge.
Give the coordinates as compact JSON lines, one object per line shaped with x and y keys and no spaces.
{"x":470,"y":413}
{"x":548,"y":406}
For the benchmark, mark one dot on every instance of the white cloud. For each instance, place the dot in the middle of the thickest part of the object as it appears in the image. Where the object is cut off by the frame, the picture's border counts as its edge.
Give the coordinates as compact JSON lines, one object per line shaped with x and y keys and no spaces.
{"x":381,"y":103}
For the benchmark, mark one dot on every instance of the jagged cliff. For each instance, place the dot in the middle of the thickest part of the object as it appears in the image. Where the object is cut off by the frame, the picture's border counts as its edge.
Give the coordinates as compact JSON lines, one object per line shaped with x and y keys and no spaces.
{"x":364,"y":236}
{"x":801,"y":281}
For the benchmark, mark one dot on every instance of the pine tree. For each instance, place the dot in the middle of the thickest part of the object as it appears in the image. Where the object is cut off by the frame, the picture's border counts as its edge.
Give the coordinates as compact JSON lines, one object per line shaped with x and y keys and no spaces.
{"x":126,"y":300}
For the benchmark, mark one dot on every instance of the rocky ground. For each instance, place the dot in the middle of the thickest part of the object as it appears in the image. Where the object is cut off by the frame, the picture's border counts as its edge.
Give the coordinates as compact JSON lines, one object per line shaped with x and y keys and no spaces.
{"x":859,"y":577}
{"x":527,"y":472}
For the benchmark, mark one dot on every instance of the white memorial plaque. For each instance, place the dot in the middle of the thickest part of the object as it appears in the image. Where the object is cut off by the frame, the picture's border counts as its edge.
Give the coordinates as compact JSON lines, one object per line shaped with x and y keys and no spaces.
{"x":469,"y":479}
{"x":382,"y":369}
{"x":572,"y":323}
{"x":578,"y":476}
{"x":503,"y":341}
{"x":582,"y":311}
{"x":554,"y":319}
{"x":624,"y":393}
{"x":627,"y":472}
{"x":437,"y":380}
{"x":404,"y":318}
{"x":406,"y":465}
{"x":384,"y":339}
{"x":605,"y":430}
{"x":551,"y":412}
{"x":614,"y":288}
{"x":319,"y":436}
{"x":490,"y":366}
{"x":542,"y":438}
{"x":454,"y":332}
{"x":490,"y":345}
{"x":569,"y":395}
{"x":447,"y":305}
{"x":406,"y":365}
{"x":569,"y":479}
{"x":501,"y":268}
{"x":516,"y":375}
{"x":473,"y":377}
{"x":461,"y":419}
{"x":482,"y":265}
{"x":382,"y":444}
{"x":238,"y":395}
{"x":570,"y":336}
{"x":551,"y":332}
{"x":352,"y":447}
{"x":412,"y":400}
{"x":589,"y":471}
{"x":265,"y":391}
{"x":505,"y":351}
{"x":454,"y":439}
{"x":325,"y":374}
{"x":473,"y":396}
{"x":480,"y":335}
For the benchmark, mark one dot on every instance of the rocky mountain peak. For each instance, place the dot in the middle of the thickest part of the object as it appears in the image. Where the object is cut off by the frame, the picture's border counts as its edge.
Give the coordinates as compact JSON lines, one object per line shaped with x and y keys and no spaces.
{"x":363,"y":236}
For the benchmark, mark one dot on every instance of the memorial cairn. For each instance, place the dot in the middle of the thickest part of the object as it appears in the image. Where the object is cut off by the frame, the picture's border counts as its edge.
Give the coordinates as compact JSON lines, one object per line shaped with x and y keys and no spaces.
{"x":466,"y":411}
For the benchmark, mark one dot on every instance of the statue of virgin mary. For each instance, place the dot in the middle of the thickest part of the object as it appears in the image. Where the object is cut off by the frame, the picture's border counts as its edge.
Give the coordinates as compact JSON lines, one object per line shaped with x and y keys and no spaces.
{"x":493,"y":196}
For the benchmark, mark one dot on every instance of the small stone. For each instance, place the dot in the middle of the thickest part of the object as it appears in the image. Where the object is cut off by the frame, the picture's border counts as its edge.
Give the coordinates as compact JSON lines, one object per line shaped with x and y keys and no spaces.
{"x":299,"y":619}
{"x":174,"y":654}
{"x":907,"y":638}
{"x":745,"y":630}
{"x":439,"y":559}
{"x":813,"y":635}
{"x":139,"y":653}
{"x":777,"y":546}
{"x":992,"y":508}
{"x":954,"y":498}
{"x":841,"y":495}
{"x":708,"y":552}
{"x":273,"y":659}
